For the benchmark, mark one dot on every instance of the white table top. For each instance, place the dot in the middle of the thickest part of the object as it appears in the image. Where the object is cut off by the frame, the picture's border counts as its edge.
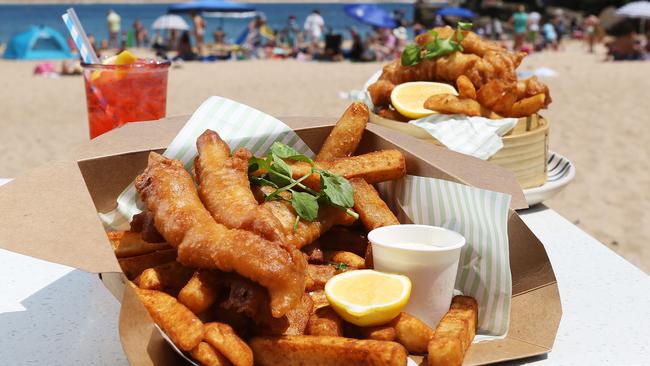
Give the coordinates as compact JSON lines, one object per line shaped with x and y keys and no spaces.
{"x":56,"y":315}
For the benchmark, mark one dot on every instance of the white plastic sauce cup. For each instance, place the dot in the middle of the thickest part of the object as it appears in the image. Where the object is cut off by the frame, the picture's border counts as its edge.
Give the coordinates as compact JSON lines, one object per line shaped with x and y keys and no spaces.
{"x":429,"y":256}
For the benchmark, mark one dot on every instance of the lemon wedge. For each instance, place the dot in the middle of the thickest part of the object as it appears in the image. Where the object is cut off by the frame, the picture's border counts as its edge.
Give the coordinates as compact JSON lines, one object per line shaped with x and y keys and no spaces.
{"x":409,"y":98}
{"x":123,"y":58}
{"x":367,"y":297}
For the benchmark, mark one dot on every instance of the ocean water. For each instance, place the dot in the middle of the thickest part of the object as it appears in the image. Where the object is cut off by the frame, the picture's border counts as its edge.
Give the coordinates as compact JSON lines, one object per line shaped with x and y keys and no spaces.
{"x":17,"y":18}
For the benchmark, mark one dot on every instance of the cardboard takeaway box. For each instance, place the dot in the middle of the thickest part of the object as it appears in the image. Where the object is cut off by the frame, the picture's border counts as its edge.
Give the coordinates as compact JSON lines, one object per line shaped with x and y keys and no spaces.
{"x":51,"y":213}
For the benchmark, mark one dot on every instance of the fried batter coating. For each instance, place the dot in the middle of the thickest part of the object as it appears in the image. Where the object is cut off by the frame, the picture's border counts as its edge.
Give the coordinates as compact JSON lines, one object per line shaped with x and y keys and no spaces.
{"x":225,"y":341}
{"x":472,"y":42}
{"x":380,"y":92}
{"x":200,"y":292}
{"x":169,"y":277}
{"x":372,"y":210}
{"x":389,"y":113}
{"x":169,"y":193}
{"x":177,"y":321}
{"x":451,"y":104}
{"x":374,"y":167}
{"x":225,"y":190}
{"x":318,"y":275}
{"x":465,"y":87}
{"x":208,"y":356}
{"x":480,"y":63}
{"x":326,"y":351}
{"x":306,"y":232}
{"x":454,"y":333}
{"x":346,"y":135}
{"x":325,"y":322}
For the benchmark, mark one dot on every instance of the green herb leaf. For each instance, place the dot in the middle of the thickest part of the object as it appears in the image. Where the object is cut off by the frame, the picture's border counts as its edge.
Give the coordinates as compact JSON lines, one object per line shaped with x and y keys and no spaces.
{"x":436,"y":47}
{"x":305,"y":204}
{"x":287,"y":152}
{"x":465,"y":25}
{"x":336,"y":189}
{"x":339,"y":266}
{"x":280,"y":172}
{"x":255,"y":164}
{"x":261,"y":181}
{"x":411,"y":55}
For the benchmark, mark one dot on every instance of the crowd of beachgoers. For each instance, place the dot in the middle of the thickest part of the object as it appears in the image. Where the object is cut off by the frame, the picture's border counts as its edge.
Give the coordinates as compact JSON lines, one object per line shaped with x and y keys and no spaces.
{"x":312,"y":39}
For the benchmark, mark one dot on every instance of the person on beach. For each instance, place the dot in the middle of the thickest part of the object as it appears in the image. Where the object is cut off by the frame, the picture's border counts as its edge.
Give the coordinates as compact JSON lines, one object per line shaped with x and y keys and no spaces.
{"x":519,"y":21}
{"x":113,"y":21}
{"x":497,"y":29}
{"x":560,"y":27}
{"x":184,"y":51}
{"x":550,"y":37}
{"x":199,"y":31}
{"x":221,"y":48}
{"x":291,"y":33}
{"x":314,"y":26}
{"x":533,"y":27}
{"x":590,"y":27}
{"x":357,"y":49}
{"x":140,"y":33}
{"x":93,"y":43}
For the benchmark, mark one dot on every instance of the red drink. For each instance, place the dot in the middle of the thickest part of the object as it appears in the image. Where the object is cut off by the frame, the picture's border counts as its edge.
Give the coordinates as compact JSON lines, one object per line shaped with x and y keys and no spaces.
{"x":117,"y":94}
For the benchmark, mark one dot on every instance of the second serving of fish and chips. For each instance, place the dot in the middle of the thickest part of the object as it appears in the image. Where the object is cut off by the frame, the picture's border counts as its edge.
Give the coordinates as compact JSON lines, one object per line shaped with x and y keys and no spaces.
{"x":482,"y":71}
{"x":265,"y":260}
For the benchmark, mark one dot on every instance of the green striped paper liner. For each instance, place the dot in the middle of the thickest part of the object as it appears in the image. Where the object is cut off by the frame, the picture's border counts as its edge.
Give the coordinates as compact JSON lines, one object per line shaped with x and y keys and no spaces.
{"x":480,"y":215}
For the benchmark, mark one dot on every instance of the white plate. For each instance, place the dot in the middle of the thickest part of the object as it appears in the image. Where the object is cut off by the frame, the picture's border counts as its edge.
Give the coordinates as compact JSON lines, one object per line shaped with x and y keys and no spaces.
{"x":560,"y":173}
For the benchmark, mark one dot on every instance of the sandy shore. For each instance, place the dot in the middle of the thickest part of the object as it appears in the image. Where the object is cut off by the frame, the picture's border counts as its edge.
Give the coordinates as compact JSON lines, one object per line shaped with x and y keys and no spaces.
{"x":598,"y":119}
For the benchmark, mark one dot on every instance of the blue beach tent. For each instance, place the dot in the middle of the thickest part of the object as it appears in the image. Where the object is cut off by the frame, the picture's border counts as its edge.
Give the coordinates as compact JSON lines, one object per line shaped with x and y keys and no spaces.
{"x":37,"y":43}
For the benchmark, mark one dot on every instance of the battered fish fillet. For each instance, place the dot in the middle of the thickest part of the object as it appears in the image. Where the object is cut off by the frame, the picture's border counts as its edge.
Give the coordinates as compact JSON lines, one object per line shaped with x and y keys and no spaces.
{"x":307,"y":232}
{"x":481,"y":61}
{"x":472,"y":42}
{"x":492,"y":66}
{"x":169,"y":193}
{"x":225,"y":190}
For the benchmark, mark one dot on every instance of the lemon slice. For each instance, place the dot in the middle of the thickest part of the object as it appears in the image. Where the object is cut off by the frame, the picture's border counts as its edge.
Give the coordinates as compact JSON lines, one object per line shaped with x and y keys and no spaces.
{"x":409,"y":98}
{"x":123,"y":58}
{"x":367,"y":297}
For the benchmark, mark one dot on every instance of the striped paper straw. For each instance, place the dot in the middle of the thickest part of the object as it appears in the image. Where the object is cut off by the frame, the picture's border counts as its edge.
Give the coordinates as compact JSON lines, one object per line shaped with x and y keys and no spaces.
{"x":88,"y":56}
{"x":79,"y":37}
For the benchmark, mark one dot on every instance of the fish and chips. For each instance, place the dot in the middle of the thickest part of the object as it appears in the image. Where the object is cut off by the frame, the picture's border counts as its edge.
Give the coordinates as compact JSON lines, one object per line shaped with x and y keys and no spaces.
{"x":484,"y":72}
{"x":240,"y":260}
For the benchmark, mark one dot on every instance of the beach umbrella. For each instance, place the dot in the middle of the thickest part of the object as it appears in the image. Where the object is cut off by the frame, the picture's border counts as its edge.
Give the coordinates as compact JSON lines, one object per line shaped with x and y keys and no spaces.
{"x":211,"y":6}
{"x":371,"y":14}
{"x":636,"y":9}
{"x":454,"y":11}
{"x":170,"y":21}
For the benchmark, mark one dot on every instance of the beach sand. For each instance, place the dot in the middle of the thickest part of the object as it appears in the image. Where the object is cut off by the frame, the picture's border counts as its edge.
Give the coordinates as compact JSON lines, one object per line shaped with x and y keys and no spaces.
{"x":599,"y":120}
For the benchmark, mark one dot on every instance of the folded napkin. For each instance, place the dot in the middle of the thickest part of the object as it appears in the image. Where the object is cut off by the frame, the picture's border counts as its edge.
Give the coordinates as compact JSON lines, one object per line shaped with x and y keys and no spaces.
{"x":476,"y":136}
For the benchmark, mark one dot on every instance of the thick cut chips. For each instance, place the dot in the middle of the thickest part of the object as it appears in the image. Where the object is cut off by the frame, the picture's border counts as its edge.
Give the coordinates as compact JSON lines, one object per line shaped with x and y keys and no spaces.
{"x":326,"y":351}
{"x":346,"y":135}
{"x":454,"y":333}
{"x":177,"y":321}
{"x":372,"y":210}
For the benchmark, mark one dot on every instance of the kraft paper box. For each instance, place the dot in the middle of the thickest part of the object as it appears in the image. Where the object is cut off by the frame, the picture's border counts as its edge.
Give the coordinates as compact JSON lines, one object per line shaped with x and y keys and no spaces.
{"x":51,"y":213}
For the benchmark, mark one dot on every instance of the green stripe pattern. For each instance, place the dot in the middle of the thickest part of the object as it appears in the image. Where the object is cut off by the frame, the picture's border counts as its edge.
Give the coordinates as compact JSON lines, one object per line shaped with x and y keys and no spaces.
{"x":479,"y":215}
